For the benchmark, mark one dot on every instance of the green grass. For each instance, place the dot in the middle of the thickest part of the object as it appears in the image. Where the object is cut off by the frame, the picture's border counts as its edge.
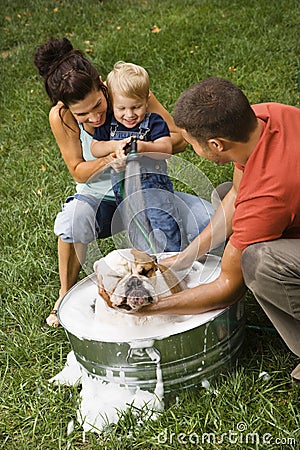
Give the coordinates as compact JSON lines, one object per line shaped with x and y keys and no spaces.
{"x":256,"y":45}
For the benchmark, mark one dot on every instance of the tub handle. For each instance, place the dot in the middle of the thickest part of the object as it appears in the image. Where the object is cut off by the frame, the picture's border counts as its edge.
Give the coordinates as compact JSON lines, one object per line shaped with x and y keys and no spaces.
{"x":148,"y":355}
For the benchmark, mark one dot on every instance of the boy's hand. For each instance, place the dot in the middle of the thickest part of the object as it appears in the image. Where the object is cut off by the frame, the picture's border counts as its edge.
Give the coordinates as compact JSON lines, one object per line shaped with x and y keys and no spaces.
{"x":118,"y":164}
{"x":121,"y":147}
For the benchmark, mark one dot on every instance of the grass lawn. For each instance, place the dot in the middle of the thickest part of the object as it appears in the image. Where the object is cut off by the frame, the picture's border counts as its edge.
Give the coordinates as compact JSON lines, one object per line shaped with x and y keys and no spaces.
{"x":255,"y":44}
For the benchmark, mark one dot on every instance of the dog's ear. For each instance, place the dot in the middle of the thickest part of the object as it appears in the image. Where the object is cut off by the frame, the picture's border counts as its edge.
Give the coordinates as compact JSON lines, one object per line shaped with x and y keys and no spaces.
{"x":145,"y":264}
{"x":142,"y":257}
{"x":147,"y":270}
{"x":101,"y":290}
{"x":171,"y":279}
{"x":95,"y":267}
{"x":106,"y":282}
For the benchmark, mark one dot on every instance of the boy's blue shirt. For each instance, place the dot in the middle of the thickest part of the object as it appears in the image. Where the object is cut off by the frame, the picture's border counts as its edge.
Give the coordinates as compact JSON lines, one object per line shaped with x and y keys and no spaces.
{"x":158,"y":128}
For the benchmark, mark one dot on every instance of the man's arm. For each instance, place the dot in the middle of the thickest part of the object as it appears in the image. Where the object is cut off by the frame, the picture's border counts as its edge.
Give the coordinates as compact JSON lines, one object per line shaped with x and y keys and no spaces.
{"x":227,"y":289}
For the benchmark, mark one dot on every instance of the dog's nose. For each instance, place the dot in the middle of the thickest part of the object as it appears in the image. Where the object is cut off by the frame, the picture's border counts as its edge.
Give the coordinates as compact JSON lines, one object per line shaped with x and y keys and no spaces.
{"x":136,"y":293}
{"x":133,"y":283}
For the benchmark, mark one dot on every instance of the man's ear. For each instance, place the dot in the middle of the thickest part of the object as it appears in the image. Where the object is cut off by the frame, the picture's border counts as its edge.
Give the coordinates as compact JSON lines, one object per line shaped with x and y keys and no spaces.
{"x":220,"y":144}
{"x":216,"y":144}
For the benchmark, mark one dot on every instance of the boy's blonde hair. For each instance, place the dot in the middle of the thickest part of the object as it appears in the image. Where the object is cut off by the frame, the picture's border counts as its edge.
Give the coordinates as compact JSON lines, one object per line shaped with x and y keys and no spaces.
{"x":130,"y":80}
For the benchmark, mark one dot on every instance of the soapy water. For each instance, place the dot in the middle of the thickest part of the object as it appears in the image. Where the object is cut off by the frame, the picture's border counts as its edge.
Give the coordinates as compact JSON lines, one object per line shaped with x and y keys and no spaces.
{"x":102,"y":401}
{"x":76,"y":312}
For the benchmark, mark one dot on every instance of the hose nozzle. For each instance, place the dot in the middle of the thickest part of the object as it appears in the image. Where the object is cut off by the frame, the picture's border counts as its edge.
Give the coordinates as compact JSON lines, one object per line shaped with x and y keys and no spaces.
{"x":131,"y":147}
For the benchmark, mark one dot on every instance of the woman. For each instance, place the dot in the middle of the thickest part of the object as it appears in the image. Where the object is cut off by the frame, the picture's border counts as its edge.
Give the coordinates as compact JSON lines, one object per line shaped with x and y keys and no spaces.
{"x":79,"y":104}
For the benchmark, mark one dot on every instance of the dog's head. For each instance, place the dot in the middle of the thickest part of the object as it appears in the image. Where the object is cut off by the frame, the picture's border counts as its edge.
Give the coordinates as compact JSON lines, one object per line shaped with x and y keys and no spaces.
{"x":126,"y":279}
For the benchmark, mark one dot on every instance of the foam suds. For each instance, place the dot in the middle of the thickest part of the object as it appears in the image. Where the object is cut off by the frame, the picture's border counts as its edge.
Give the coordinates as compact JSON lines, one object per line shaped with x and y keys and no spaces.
{"x":103,"y":400}
{"x":77,"y":312}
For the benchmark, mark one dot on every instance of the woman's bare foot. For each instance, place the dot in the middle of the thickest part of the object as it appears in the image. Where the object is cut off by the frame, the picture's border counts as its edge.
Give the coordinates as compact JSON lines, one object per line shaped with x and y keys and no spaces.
{"x":52,"y":319}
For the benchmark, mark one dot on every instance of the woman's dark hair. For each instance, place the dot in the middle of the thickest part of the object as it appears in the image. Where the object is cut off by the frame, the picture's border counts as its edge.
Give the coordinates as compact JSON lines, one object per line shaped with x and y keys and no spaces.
{"x":69,"y":76}
{"x":215,"y":108}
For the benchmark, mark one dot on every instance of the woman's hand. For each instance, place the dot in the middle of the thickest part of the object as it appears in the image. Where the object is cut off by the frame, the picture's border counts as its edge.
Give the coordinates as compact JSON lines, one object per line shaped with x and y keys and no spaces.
{"x":118,"y":164}
{"x":119,"y":161}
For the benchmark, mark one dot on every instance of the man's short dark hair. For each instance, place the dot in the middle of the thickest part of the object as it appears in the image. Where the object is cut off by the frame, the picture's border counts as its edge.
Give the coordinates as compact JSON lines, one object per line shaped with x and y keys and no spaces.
{"x":215,"y":108}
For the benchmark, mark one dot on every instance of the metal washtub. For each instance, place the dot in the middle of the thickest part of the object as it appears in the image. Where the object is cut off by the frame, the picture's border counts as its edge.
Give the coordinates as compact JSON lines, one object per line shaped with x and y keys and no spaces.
{"x":198,"y":350}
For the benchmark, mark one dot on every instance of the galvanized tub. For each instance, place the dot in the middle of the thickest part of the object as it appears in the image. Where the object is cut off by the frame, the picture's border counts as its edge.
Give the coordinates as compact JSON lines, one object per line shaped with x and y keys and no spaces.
{"x":194,"y":350}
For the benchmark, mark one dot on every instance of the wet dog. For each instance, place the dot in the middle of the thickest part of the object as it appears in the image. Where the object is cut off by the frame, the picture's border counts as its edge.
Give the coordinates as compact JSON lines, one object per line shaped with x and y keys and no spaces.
{"x":129,"y":279}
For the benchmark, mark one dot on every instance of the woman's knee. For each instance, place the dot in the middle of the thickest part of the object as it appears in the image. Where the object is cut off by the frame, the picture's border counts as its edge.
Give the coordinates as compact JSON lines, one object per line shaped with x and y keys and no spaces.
{"x":195,"y":213}
{"x":76,"y":223}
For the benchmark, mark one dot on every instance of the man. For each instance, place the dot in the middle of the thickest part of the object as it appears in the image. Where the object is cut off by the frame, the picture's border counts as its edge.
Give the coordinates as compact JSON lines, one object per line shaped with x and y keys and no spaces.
{"x":261,"y":212}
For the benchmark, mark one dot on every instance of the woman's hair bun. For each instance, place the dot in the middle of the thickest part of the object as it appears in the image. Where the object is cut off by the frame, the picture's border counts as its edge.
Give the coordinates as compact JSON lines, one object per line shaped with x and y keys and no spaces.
{"x":50,"y":54}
